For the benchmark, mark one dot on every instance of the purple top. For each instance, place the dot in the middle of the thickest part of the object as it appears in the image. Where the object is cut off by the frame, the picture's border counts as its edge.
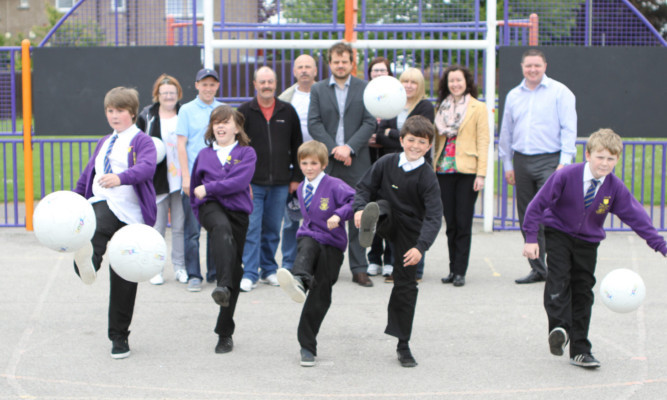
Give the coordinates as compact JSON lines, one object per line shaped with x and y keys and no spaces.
{"x":333,"y":196}
{"x":139,"y":174}
{"x":560,"y":205}
{"x":229,"y":185}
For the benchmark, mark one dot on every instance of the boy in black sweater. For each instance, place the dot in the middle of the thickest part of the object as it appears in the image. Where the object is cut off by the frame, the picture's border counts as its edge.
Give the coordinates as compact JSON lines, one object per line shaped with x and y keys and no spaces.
{"x":399,"y":199}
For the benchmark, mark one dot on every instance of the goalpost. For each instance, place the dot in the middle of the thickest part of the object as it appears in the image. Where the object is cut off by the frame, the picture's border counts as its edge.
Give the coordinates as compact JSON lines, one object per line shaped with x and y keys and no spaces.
{"x":488,"y":44}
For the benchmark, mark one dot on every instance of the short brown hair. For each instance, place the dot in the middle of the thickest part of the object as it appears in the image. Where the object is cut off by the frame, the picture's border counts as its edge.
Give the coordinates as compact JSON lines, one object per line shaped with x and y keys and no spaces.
{"x":123,"y":98}
{"x":533,"y":52}
{"x":605,"y":139}
{"x":165,"y":79}
{"x":315,"y":149}
{"x":418,"y":126}
{"x":340,"y":48}
{"x":223,"y":114}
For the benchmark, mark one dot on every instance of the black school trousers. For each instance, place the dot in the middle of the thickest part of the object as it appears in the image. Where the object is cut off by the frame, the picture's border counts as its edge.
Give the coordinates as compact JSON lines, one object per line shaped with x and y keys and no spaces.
{"x":227,"y":231}
{"x":568,"y":291}
{"x":122,"y":293}
{"x":318,"y":266}
{"x":403,"y":298}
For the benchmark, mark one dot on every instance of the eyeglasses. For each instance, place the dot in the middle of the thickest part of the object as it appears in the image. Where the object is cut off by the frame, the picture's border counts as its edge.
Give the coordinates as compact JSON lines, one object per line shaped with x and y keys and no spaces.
{"x":169,"y":94}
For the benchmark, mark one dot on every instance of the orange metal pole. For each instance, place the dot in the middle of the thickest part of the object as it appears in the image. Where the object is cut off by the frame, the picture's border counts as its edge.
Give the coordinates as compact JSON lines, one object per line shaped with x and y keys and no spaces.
{"x":534,"y":30}
{"x":27,"y":133}
{"x":170,"y":31}
{"x":350,"y":23}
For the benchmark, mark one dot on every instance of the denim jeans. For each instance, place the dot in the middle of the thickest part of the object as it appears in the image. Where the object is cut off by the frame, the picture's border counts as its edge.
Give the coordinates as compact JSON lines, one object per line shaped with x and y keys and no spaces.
{"x":264,"y":231}
{"x":288,"y":244}
{"x":191,"y":233}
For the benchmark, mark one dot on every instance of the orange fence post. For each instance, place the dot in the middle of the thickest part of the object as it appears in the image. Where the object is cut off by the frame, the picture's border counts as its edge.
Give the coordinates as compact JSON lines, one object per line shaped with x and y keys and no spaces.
{"x":170,"y":30}
{"x":350,"y":23}
{"x":27,"y":133}
{"x":534,"y":30}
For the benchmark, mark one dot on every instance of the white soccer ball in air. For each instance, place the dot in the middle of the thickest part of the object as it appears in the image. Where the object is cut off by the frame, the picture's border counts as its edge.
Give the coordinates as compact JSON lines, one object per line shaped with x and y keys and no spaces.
{"x":137,"y":252}
{"x":385,"y":97}
{"x":64,"y":221}
{"x":622,"y":290}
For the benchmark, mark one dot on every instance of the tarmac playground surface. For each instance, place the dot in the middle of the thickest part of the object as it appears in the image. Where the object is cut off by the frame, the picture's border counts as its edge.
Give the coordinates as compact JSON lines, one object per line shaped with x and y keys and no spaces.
{"x":486,"y":340}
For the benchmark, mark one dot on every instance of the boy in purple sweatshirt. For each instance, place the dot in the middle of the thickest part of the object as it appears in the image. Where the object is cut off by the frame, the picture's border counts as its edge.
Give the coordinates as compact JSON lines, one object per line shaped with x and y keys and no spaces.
{"x":573,"y":205}
{"x":326,"y":202}
{"x":118,"y":181}
{"x":221,"y":201}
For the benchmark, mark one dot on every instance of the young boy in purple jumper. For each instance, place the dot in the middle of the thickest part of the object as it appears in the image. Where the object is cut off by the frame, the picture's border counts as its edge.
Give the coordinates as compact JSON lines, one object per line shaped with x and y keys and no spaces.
{"x":326,"y":202}
{"x":573,"y":205}
{"x":118,"y":181}
{"x":221,"y":201}
{"x":399,"y":199}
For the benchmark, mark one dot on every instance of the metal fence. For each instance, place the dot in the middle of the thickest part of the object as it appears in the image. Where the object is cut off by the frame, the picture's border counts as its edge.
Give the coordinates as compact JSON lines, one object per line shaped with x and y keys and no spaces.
{"x":178,"y":22}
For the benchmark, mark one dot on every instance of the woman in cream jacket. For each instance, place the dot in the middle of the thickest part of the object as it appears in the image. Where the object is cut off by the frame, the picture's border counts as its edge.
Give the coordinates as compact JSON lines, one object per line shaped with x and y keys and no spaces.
{"x":460,"y":158}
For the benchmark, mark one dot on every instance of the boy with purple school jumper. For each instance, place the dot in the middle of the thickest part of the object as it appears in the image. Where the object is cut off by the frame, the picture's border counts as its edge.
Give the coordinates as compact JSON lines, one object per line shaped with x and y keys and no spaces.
{"x":573,"y":205}
{"x":326,"y":203}
{"x":399,"y":199}
{"x":220,"y":200}
{"x":118,"y":181}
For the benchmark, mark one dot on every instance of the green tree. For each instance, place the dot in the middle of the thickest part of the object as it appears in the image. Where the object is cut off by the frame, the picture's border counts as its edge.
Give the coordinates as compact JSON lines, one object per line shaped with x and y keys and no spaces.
{"x":655,"y":12}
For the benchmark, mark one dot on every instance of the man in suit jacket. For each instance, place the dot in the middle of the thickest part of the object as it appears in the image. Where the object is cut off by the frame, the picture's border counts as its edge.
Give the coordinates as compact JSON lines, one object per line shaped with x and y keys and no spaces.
{"x":337,"y":117}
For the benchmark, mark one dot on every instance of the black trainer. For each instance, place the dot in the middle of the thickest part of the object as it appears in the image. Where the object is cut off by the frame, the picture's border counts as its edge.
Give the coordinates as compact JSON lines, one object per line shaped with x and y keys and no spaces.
{"x":369,"y":219}
{"x":307,"y":358}
{"x":225,"y":345}
{"x":221,"y":296}
{"x":120,"y":348}
{"x":557,"y":341}
{"x":405,"y":358}
{"x":585,"y":361}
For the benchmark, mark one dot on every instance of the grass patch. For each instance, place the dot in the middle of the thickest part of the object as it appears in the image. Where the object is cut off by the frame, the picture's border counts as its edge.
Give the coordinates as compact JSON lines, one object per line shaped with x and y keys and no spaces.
{"x":57,"y":165}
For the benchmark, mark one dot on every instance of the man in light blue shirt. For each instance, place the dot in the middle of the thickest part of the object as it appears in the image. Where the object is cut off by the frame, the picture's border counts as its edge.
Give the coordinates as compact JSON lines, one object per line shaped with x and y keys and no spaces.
{"x":538,"y":134}
{"x":192,"y":123}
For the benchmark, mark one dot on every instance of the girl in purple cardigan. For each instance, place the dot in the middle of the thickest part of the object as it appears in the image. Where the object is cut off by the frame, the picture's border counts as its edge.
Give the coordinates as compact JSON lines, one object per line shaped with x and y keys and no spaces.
{"x":221,"y":200}
{"x":118,"y":181}
{"x":573,"y":205}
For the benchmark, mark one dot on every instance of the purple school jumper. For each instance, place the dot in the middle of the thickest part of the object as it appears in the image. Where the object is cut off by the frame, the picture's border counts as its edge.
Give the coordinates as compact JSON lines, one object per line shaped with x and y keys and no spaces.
{"x":141,"y":158}
{"x":560,"y":205}
{"x":333,"y":196}
{"x":228,"y":185}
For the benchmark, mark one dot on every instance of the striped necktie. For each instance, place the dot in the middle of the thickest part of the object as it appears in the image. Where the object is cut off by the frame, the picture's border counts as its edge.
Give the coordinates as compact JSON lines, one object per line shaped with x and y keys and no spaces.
{"x":107,"y":163}
{"x":590,"y":193}
{"x":309,"y":196}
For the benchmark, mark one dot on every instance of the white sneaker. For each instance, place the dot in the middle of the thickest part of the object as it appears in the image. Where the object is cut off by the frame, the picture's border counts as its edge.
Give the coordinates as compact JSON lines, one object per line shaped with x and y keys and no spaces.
{"x":84,"y":262}
{"x":373,"y":269}
{"x":270,"y":280}
{"x":181,"y":276}
{"x":291,"y":285}
{"x":387,"y":270}
{"x":247,"y":285}
{"x":157,"y":279}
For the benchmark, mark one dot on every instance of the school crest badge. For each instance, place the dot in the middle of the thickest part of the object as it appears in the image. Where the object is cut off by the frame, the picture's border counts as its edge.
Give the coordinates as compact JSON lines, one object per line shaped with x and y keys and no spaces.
{"x":324,"y":203}
{"x":603,"y":207}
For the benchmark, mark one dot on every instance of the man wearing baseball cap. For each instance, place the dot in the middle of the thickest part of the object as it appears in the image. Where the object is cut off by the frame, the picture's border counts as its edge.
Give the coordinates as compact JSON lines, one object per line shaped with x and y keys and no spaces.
{"x":192,"y":122}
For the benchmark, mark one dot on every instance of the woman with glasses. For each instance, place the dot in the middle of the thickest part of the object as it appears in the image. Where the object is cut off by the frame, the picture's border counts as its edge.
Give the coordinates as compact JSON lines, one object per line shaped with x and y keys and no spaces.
{"x":159,"y":121}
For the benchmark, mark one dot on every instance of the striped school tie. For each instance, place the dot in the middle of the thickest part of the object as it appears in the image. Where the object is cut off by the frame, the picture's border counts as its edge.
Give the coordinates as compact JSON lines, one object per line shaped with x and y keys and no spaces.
{"x":309,"y":196}
{"x":107,"y":163}
{"x":590,"y":193}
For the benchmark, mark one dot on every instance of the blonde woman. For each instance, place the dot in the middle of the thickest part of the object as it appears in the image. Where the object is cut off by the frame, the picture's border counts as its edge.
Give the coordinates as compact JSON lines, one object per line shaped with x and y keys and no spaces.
{"x":461,"y":146}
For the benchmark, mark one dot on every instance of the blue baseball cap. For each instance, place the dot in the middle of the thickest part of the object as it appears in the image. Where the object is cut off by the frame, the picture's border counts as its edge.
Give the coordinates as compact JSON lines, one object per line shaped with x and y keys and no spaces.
{"x":205,"y":73}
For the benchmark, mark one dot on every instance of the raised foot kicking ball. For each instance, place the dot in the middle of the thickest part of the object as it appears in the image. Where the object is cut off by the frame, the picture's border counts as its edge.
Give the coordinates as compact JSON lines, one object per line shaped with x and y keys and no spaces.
{"x":160,"y":149}
{"x":622,"y":290}
{"x":64,"y":221}
{"x":384,"y":97}
{"x":137,"y":252}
